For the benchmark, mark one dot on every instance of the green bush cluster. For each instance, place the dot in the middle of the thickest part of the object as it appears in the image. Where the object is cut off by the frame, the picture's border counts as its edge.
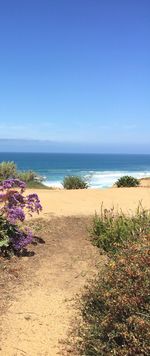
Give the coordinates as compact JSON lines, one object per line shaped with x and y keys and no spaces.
{"x":28,"y":176}
{"x":127,"y":181}
{"x":111,"y":231}
{"x":9,"y":170}
{"x":115,"y":309}
{"x":74,"y":182}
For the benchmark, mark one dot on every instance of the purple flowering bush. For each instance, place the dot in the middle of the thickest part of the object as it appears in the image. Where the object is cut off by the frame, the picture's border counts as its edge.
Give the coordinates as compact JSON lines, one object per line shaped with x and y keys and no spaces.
{"x":14,"y":206}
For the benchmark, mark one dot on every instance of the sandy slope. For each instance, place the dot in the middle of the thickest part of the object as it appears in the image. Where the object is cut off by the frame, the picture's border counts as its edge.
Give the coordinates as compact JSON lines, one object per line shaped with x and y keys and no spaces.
{"x":86,"y":202}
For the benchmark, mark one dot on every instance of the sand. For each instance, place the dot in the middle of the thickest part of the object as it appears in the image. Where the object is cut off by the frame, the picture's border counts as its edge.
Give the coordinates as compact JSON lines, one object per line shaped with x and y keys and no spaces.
{"x":86,"y":202}
{"x":145,"y":182}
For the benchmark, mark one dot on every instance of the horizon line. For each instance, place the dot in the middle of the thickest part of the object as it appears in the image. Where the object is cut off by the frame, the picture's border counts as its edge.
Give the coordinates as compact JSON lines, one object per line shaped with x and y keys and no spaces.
{"x":77,"y":153}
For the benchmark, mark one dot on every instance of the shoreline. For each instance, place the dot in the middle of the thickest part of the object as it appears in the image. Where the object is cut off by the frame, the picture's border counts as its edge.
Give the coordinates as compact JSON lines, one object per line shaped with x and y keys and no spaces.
{"x":144,"y":182}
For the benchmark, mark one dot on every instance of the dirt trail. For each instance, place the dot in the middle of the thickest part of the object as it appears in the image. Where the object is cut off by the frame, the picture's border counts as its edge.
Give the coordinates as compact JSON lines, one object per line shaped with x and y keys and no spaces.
{"x":40,"y":314}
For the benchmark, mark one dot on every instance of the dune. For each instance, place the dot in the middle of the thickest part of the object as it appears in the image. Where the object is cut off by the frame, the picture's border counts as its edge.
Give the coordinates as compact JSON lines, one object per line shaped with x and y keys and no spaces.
{"x":145,"y":182}
{"x":86,"y":202}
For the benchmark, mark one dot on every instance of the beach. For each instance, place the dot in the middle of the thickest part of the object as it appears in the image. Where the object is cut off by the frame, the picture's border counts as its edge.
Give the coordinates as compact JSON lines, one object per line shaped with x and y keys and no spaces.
{"x":86,"y":202}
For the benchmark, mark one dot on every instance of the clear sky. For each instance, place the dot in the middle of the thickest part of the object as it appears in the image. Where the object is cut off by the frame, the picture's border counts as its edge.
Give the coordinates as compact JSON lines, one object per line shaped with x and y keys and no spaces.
{"x":76,"y":72}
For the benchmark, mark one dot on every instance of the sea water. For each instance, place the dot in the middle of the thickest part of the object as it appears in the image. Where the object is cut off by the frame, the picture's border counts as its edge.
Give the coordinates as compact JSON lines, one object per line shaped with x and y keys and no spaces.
{"x":100,"y":170}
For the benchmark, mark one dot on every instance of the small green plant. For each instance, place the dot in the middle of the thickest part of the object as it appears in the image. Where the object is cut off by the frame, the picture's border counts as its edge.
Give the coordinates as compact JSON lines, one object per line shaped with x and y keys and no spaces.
{"x":111,"y":231}
{"x":74,"y":182}
{"x":127,"y":181}
{"x":115,"y":307}
{"x":7,"y":230}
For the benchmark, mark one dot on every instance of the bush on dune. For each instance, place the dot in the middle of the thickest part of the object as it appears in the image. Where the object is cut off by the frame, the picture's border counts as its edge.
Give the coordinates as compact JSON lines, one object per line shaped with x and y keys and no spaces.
{"x":112,"y":231}
{"x":127,"y":181}
{"x":74,"y":182}
{"x":35,"y":184}
{"x":115,"y":307}
{"x":8,"y":170}
{"x":28,"y":176}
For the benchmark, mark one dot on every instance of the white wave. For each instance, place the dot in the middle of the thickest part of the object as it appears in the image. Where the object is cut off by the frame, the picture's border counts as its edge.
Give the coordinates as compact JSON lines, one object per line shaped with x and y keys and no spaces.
{"x":97,"y":179}
{"x":53,"y":184}
{"x":108,"y":178}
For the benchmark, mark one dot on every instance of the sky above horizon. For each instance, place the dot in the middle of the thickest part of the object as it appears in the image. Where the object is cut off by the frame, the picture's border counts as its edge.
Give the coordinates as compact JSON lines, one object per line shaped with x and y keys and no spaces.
{"x":76,"y":73}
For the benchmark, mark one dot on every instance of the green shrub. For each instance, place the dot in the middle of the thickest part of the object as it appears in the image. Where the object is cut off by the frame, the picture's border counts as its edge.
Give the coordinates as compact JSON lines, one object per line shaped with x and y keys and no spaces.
{"x":115,"y":309}
{"x":7,"y":170}
{"x":74,"y":182}
{"x":111,"y":231}
{"x":35,"y":184}
{"x":127,"y":181}
{"x":27,"y":176}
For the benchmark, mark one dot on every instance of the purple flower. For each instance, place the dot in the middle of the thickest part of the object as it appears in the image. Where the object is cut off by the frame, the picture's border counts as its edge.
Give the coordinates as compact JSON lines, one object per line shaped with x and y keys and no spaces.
{"x":15,"y":198}
{"x":13,"y":203}
{"x":33,"y":203}
{"x":15,"y":214}
{"x":21,"y":239}
{"x":12,"y":183}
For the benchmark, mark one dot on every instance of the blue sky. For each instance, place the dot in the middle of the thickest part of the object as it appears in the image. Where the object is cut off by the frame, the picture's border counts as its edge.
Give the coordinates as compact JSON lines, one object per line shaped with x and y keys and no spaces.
{"x":76,"y":72}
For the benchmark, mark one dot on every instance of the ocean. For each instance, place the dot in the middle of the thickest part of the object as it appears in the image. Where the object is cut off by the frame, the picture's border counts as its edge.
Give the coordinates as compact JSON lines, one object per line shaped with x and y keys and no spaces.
{"x":100,"y":170}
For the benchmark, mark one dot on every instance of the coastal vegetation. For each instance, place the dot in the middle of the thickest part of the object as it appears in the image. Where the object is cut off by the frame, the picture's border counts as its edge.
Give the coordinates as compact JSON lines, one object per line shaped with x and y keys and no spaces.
{"x":74,"y":182}
{"x":14,"y":206}
{"x":115,"y":307}
{"x":127,"y":181}
{"x":9,"y":170}
{"x":111,"y":231}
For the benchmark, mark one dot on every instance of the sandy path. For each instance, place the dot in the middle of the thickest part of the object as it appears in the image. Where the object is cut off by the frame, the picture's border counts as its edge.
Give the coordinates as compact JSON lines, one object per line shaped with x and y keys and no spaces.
{"x":43,"y":307}
{"x":86,"y":202}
